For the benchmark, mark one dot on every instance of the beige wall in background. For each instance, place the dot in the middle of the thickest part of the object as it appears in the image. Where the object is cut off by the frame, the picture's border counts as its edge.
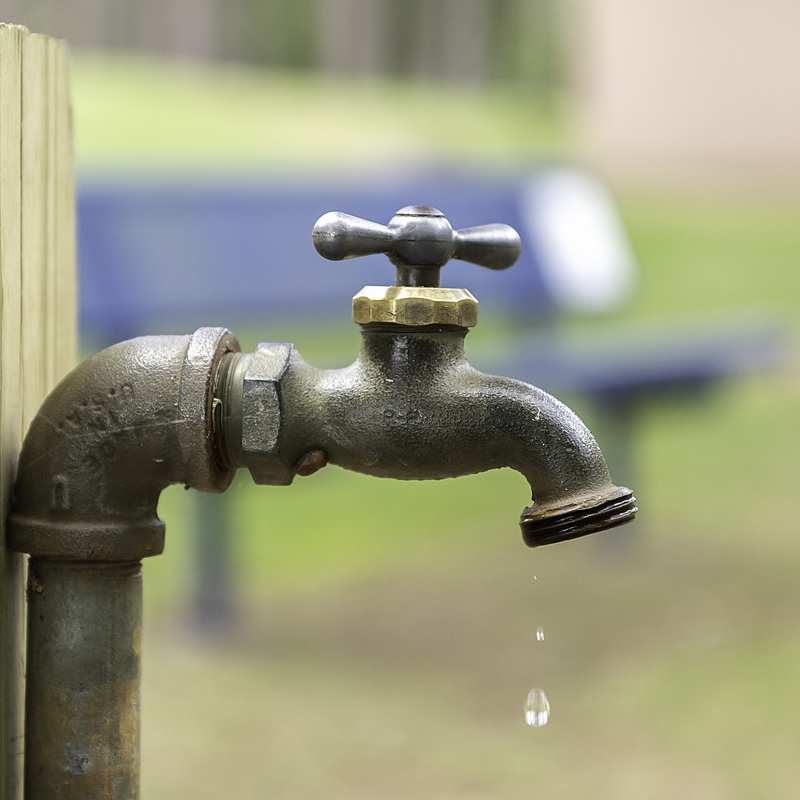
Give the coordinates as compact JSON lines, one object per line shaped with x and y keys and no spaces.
{"x":691,"y":92}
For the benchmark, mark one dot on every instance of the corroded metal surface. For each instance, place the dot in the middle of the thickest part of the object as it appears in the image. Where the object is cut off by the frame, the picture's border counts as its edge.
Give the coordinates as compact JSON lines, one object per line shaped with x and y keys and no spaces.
{"x":83,"y":683}
{"x":123,"y":426}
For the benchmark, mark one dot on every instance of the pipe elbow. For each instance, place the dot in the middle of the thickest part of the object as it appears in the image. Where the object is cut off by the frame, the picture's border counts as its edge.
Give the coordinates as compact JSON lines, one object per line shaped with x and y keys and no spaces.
{"x":121,"y":427}
{"x":571,"y":487}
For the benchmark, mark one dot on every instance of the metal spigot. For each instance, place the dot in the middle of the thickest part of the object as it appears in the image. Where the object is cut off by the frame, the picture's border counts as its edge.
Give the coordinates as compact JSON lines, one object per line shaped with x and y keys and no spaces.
{"x":160,"y":410}
{"x":411,"y":406}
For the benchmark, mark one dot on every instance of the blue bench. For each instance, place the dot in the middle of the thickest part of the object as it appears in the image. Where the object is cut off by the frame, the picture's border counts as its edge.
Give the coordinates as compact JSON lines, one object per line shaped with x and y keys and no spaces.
{"x":168,"y":257}
{"x":196,"y":254}
{"x":158,"y":257}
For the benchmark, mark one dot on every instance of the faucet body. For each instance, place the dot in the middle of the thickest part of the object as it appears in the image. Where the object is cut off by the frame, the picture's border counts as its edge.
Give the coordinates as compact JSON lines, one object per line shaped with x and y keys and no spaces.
{"x":412,"y":408}
{"x":155,"y":411}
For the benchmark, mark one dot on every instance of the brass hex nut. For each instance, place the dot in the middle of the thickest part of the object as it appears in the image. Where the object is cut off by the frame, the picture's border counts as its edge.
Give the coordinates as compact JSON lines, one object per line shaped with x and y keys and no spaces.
{"x":415,"y":305}
{"x":261,"y":413}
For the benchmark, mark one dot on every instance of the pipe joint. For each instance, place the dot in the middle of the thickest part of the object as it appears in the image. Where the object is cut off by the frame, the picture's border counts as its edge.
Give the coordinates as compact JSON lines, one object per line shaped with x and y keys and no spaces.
{"x":262,"y":414}
{"x":121,"y":427}
{"x":253,"y":412}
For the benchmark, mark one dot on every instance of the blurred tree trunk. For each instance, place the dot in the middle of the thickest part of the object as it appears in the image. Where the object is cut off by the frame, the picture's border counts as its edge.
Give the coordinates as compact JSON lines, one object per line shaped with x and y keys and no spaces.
{"x":520,"y":41}
{"x":194,"y":28}
{"x":140,"y":25}
{"x":280,"y":33}
{"x":465,"y":29}
{"x":354,"y":36}
{"x":528,"y":45}
{"x":89,"y":23}
{"x":450,"y":39}
{"x":423,"y":53}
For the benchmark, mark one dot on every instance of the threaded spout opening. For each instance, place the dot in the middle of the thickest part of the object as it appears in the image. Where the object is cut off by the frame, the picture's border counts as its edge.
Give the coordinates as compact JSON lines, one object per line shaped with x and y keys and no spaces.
{"x":557,"y":525}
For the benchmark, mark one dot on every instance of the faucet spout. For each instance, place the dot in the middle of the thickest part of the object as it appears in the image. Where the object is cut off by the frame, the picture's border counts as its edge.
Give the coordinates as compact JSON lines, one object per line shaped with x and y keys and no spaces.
{"x":411,"y":407}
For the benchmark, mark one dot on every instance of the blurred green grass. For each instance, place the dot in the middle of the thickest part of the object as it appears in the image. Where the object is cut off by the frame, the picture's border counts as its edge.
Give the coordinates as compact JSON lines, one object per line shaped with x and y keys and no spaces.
{"x":386,"y":631}
{"x":134,"y":113}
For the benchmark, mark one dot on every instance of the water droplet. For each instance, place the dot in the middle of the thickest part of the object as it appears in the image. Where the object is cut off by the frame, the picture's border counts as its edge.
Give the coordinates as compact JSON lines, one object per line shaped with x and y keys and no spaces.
{"x":540,"y":634}
{"x":537,"y":709}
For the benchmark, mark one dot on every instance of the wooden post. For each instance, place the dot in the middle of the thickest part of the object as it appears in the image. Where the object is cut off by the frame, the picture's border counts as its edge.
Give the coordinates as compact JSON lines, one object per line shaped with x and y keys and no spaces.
{"x":38,"y":330}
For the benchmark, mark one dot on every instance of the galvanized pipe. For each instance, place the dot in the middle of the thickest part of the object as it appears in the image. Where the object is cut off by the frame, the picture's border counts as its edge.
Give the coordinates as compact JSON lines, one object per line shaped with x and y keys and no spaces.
{"x":83,"y":679}
{"x":125,"y":424}
{"x":190,"y":409}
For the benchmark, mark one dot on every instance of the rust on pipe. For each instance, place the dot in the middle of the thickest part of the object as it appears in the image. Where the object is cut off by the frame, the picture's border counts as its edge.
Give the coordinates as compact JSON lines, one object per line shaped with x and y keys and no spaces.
{"x":83,"y":681}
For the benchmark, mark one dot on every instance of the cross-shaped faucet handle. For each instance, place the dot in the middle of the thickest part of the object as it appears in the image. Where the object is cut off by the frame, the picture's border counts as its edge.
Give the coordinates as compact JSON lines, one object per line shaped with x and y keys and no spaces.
{"x":418,"y":240}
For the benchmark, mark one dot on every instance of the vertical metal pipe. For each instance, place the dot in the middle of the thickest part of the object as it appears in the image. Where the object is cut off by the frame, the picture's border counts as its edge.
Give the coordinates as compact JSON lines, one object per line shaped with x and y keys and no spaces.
{"x":128,"y":422}
{"x":83,"y":691}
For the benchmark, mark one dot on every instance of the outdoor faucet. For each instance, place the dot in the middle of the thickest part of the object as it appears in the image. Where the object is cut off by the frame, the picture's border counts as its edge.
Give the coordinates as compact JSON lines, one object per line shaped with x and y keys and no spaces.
{"x":154,"y":411}
{"x":411,"y":407}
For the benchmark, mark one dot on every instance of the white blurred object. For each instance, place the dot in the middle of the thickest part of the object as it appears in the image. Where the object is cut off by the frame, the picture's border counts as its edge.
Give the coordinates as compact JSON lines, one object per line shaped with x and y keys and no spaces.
{"x":582,"y":248}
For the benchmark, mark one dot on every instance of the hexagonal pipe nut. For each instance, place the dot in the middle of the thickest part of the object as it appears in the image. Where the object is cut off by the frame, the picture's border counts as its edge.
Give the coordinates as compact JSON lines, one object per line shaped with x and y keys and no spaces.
{"x":415,"y":305}
{"x":261,"y":413}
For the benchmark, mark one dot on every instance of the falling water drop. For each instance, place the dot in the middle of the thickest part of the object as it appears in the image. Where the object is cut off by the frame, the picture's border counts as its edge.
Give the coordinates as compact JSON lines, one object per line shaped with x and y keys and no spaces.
{"x":537,"y":709}
{"x":540,"y":634}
